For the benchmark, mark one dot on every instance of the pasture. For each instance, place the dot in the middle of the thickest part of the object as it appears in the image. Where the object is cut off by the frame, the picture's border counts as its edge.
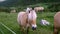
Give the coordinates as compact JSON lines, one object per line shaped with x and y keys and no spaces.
{"x":10,"y":20}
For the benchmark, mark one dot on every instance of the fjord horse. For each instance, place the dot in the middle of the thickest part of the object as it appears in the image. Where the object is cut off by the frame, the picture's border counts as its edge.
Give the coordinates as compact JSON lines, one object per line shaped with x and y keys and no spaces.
{"x":57,"y":23}
{"x":27,"y":19}
{"x":39,"y":9}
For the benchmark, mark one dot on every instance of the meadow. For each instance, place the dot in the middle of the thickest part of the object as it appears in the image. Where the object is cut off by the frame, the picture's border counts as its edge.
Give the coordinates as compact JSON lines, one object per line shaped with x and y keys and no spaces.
{"x":8,"y":22}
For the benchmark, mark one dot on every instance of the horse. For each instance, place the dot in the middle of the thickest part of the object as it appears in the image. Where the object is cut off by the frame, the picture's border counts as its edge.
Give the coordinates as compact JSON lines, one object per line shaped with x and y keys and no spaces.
{"x":57,"y":23}
{"x":26,"y":20}
{"x":13,"y":11}
{"x":39,"y":9}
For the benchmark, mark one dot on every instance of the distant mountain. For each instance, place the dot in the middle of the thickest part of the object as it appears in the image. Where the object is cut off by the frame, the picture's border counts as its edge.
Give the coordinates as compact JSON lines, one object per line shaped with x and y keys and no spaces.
{"x":8,"y":3}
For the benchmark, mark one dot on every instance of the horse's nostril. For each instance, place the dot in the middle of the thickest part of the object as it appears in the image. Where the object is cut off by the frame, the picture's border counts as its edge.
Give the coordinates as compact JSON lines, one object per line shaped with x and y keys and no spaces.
{"x":33,"y":28}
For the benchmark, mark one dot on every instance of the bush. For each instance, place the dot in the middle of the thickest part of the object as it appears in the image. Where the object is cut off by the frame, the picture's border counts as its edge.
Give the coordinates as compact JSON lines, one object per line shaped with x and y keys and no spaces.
{"x":5,"y":9}
{"x":54,"y":7}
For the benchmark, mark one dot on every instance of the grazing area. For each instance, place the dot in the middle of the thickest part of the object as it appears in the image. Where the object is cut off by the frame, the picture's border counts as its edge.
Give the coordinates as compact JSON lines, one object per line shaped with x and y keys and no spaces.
{"x":10,"y":20}
{"x":45,"y":16}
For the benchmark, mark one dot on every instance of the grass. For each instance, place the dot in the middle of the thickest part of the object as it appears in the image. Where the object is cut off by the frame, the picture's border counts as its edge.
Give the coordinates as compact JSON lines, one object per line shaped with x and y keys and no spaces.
{"x":10,"y":20}
{"x":7,"y":28}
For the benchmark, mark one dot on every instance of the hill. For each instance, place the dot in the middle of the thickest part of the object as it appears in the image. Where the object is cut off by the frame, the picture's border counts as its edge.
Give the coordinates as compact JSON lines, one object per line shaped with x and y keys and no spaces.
{"x":9,"y":3}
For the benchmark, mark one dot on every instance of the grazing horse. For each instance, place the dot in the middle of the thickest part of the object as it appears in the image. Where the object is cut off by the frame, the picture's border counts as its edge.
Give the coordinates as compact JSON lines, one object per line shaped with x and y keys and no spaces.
{"x":27,"y":19}
{"x":57,"y":23}
{"x":39,"y":9}
{"x":13,"y":11}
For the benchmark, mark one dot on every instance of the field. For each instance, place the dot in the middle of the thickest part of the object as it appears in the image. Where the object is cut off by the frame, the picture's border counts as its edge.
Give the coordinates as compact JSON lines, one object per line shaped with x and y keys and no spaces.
{"x":9,"y":25}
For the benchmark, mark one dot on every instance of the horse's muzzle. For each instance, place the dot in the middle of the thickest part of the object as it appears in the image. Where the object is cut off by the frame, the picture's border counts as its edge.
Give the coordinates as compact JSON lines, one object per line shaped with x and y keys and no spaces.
{"x":33,"y":28}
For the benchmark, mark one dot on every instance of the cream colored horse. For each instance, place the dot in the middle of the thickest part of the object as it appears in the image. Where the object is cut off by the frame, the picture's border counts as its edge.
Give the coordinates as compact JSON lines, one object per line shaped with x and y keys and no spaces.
{"x":57,"y":23}
{"x":27,"y":19}
{"x":39,"y":9}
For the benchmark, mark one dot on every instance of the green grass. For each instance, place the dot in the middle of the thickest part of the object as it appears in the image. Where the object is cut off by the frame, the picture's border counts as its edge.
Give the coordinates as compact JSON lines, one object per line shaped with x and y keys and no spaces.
{"x":10,"y":20}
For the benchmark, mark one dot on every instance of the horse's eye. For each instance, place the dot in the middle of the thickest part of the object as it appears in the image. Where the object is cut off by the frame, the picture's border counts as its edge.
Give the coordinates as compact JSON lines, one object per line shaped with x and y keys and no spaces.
{"x":29,"y":11}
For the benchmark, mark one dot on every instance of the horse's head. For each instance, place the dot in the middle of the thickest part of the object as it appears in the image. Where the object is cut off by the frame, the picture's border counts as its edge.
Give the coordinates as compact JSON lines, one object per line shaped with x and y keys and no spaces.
{"x":32,"y":18}
{"x":28,"y":10}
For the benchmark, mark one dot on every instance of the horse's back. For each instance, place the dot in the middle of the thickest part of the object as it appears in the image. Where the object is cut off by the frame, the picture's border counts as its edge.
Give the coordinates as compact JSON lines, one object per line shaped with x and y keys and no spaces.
{"x":57,"y":20}
{"x":39,"y":8}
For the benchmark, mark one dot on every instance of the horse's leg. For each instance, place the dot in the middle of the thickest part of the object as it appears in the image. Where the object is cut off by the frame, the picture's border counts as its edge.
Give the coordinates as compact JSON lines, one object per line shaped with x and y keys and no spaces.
{"x":27,"y":28}
{"x":56,"y":31}
{"x":21,"y":30}
{"x":27,"y":31}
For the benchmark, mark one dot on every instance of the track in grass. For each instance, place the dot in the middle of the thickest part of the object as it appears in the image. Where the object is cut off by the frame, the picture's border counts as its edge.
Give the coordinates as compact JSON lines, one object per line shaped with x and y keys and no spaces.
{"x":6,"y":28}
{"x":1,"y":31}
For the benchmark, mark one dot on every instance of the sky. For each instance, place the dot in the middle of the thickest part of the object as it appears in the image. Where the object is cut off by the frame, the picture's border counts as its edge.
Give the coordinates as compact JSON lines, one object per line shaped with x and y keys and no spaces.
{"x":2,"y":0}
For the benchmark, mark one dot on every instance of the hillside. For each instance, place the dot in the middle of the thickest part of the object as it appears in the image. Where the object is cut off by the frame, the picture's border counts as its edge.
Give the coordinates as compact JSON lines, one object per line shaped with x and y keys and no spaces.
{"x":9,"y":3}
